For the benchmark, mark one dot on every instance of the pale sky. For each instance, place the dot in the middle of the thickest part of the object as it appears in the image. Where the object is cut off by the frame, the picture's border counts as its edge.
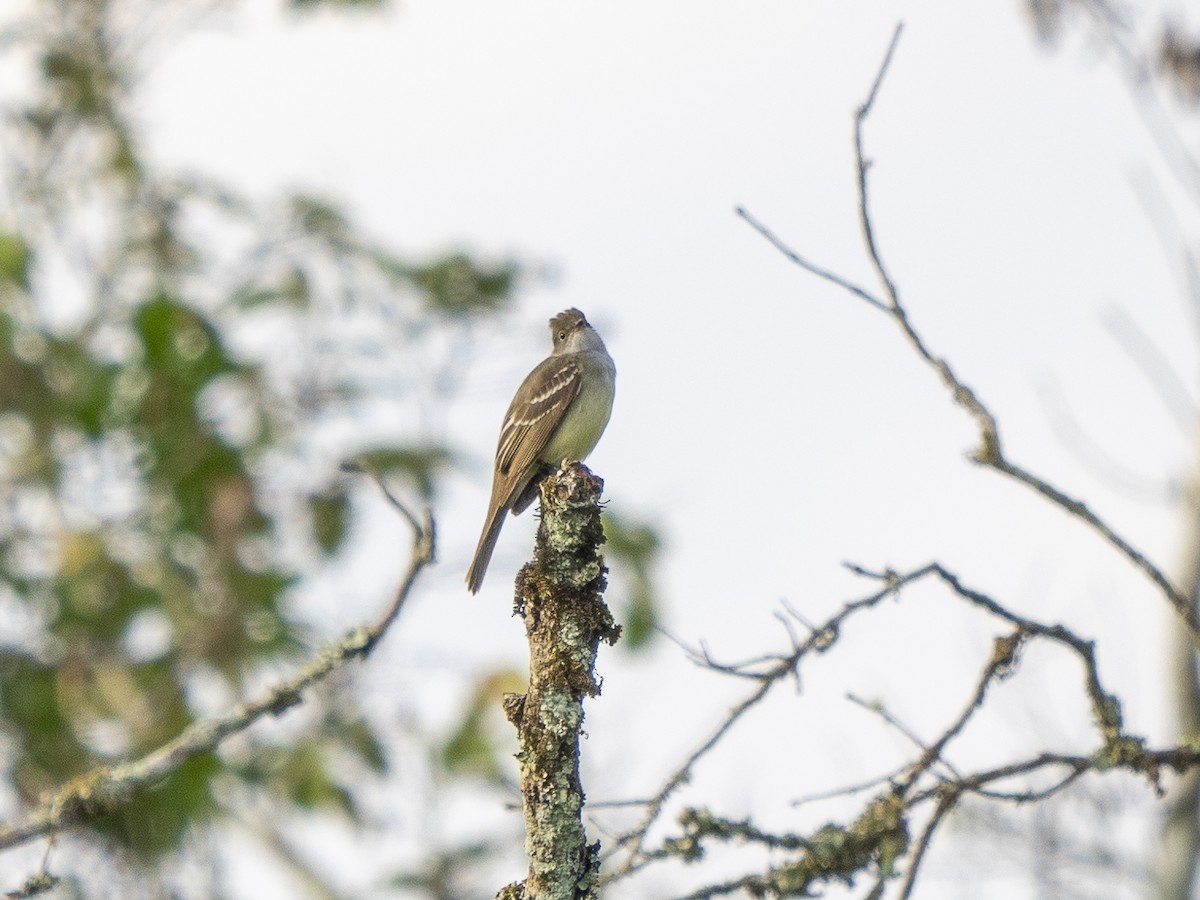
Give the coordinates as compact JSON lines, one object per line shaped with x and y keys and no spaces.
{"x":771,"y":425}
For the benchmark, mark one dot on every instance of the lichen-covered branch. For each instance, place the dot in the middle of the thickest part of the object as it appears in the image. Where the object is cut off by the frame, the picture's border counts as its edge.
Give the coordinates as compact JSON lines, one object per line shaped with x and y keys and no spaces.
{"x":106,"y":787}
{"x":768,"y":673}
{"x":559,"y":595}
{"x":918,"y":797}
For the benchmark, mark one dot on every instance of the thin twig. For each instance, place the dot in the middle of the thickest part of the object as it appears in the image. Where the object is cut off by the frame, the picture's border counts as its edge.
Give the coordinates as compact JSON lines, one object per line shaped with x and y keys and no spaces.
{"x":424,"y":553}
{"x":989,"y":452}
{"x":1174,"y":241}
{"x":918,"y":783}
{"x":880,"y":710}
{"x":945,"y":804}
{"x":808,"y":266}
{"x":851,"y":789}
{"x":633,"y":843}
{"x":912,"y":783}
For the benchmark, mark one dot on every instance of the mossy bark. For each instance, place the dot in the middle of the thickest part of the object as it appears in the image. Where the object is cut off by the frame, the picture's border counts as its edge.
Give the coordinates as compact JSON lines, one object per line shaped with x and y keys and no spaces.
{"x":559,"y":595}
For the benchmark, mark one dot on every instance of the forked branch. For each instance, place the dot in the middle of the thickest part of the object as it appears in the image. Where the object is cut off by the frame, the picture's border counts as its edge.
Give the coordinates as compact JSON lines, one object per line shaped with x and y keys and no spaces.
{"x":990,"y":451}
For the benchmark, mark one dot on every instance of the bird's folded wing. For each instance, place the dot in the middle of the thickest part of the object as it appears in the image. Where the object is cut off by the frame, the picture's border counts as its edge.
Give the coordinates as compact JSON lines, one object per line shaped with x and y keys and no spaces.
{"x":535,"y":414}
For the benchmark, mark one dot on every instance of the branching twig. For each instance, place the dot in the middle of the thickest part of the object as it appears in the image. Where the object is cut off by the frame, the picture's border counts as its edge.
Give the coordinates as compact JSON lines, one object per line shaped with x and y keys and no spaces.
{"x":880,"y":710}
{"x":917,"y":784}
{"x":879,"y":838}
{"x":945,"y":804}
{"x":824,"y":274}
{"x":990,"y":452}
{"x":633,"y":843}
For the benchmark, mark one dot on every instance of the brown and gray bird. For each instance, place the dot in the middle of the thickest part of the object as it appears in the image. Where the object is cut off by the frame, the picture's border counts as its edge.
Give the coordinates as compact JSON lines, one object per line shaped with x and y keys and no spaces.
{"x":559,"y":413}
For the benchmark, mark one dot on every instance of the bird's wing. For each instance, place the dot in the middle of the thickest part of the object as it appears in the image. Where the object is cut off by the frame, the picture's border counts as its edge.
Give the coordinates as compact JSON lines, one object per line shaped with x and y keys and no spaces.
{"x":535,"y":414}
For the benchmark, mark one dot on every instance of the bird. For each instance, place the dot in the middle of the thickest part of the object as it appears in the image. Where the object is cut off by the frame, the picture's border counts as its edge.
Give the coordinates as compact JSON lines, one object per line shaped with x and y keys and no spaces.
{"x":558,"y":413}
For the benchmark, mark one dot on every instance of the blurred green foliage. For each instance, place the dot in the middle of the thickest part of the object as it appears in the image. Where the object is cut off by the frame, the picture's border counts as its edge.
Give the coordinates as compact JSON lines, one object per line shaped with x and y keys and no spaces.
{"x":159,"y":492}
{"x":633,"y":549}
{"x":474,"y":748}
{"x":143,"y":447}
{"x":481,"y":741}
{"x":457,"y":285}
{"x":14,"y":261}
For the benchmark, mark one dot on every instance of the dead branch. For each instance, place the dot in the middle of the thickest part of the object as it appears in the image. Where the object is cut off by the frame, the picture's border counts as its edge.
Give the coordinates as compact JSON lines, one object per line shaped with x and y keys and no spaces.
{"x":990,"y":451}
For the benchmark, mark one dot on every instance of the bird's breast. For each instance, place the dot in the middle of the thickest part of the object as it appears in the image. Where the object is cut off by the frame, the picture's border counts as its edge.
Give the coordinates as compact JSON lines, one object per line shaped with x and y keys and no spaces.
{"x":586,"y":420}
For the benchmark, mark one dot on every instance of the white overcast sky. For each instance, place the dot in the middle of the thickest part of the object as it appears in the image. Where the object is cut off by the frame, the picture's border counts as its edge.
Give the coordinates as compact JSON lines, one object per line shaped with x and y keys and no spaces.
{"x":770,"y":424}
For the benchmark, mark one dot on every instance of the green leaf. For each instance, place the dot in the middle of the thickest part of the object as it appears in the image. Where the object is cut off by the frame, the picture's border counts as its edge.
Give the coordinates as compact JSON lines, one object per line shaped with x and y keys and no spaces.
{"x":640,"y":621}
{"x":320,"y":218}
{"x":292,"y":290}
{"x":330,"y":511}
{"x":84,"y":83}
{"x":635,"y":541}
{"x":472,"y":750}
{"x":48,"y":752}
{"x":359,"y":737}
{"x":81,"y":388}
{"x":14,"y":260}
{"x":97,"y":596}
{"x":456,"y":284}
{"x":635,"y":547}
{"x":301,"y":774}
{"x":442,"y":870}
{"x":311,"y":786}
{"x":181,"y":346}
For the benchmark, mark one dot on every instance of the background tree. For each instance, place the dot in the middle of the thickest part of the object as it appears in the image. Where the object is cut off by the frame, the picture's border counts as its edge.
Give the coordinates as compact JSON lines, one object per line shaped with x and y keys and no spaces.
{"x":1159,"y":59}
{"x":173,"y":359}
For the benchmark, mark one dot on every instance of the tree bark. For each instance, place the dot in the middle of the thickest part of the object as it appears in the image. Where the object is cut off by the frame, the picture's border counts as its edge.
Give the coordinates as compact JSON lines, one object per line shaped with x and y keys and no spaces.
{"x":559,"y":595}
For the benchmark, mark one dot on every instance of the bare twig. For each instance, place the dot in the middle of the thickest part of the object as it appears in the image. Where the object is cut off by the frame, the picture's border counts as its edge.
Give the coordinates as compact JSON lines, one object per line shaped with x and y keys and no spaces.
{"x":945,"y":804}
{"x":1004,"y":654}
{"x":879,"y":836}
{"x":990,"y":452}
{"x":851,"y":789}
{"x":633,"y":843}
{"x":876,"y":708}
{"x":1175,"y":243}
{"x":824,"y":274}
{"x":918,"y":783}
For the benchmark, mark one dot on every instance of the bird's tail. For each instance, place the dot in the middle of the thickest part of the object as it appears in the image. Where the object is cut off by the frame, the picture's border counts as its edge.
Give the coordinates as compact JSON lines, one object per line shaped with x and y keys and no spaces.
{"x":483,"y":552}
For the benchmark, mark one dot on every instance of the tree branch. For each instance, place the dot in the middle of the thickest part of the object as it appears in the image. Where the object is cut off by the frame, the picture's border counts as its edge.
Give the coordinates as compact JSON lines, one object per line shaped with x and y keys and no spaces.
{"x":989,"y":452}
{"x":820,"y":640}
{"x":106,"y":787}
{"x":877,"y":839}
{"x":559,"y":595}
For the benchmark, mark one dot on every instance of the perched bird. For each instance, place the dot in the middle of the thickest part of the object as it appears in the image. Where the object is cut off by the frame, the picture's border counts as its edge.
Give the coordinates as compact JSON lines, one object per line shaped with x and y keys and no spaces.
{"x":559,"y":412}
